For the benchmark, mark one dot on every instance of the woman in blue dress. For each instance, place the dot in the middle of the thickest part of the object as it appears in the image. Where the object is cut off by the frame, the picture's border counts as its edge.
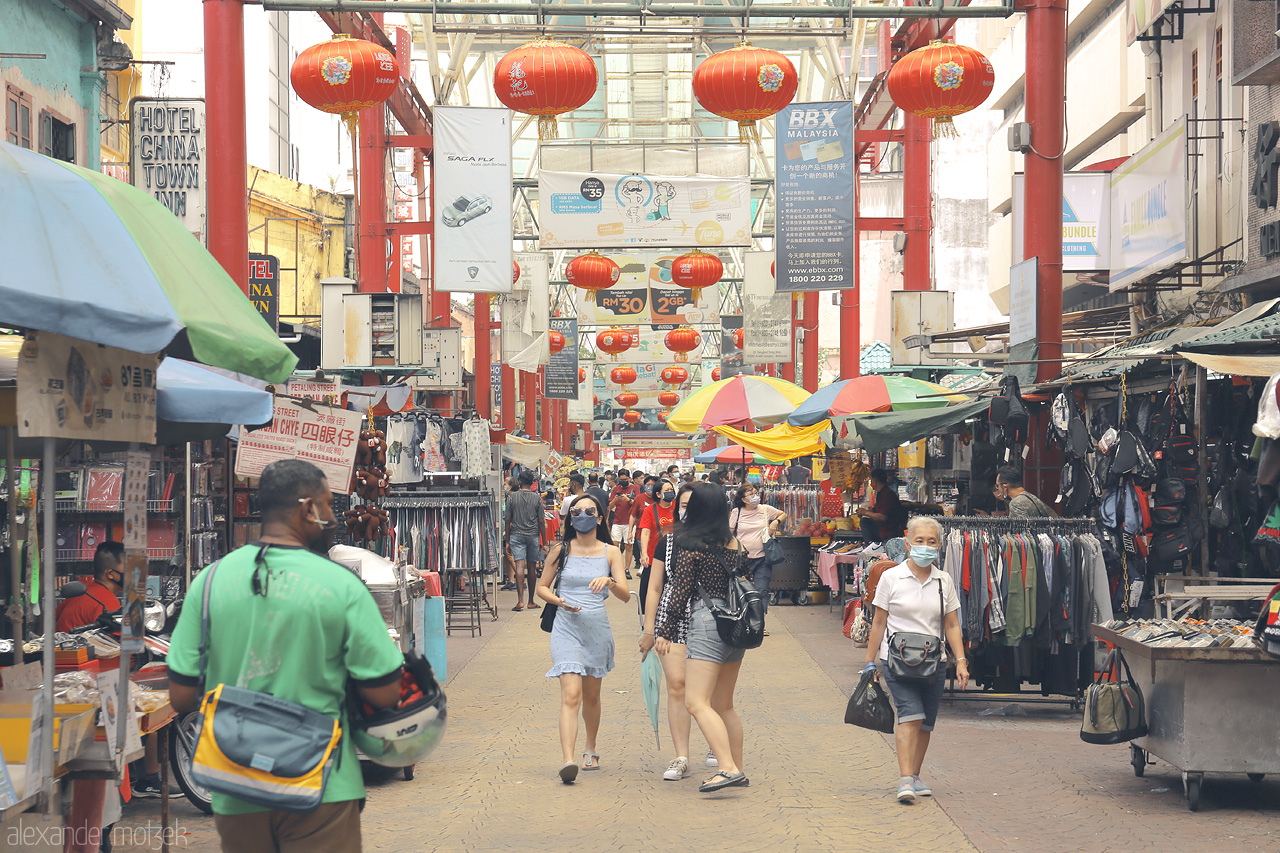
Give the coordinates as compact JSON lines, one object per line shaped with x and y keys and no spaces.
{"x":589,"y":568}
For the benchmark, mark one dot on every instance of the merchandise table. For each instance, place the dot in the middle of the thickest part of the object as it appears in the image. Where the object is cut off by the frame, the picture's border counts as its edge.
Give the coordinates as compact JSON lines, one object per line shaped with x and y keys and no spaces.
{"x":1208,"y":710}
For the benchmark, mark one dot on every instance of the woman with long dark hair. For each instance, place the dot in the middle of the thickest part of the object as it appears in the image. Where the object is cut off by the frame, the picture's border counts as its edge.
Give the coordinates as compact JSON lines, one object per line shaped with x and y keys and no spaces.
{"x":589,"y":566}
{"x":705,"y":556}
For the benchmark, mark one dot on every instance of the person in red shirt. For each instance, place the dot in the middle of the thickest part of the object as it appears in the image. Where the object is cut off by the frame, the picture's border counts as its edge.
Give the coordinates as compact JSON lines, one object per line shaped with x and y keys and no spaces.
{"x":620,"y":500}
{"x":657,"y":519}
{"x":642,"y":502}
{"x":101,"y":595}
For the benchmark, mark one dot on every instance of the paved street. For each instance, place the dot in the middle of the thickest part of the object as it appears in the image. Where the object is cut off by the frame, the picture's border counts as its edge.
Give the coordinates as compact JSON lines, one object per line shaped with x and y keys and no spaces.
{"x":1018,"y":782}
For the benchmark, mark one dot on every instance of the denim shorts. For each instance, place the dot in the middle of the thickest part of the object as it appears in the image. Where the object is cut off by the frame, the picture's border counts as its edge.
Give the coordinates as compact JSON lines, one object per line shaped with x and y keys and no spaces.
{"x":525,"y":548}
{"x":913,"y":700}
{"x":704,"y":639}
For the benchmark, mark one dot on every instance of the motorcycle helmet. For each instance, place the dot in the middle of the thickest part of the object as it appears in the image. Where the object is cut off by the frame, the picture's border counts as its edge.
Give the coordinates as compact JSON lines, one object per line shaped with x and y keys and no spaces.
{"x":405,"y":734}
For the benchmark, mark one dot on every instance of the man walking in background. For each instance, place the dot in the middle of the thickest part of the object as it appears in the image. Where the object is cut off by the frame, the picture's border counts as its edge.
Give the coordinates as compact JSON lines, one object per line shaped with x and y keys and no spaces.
{"x":526,"y":528}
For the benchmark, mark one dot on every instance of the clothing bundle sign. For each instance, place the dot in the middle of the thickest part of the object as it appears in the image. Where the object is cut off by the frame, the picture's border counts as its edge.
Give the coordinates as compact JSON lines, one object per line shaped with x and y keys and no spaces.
{"x":766,"y":314}
{"x":320,"y":435}
{"x":562,"y":369}
{"x":473,"y":199}
{"x":69,"y":388}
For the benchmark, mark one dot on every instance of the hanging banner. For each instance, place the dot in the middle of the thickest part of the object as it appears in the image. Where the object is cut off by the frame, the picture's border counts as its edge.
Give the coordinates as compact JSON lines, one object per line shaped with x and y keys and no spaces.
{"x":581,"y":409}
{"x":644,"y":294}
{"x":1149,"y":209}
{"x":766,"y":314}
{"x":652,"y":347}
{"x":815,"y":180}
{"x":69,"y":388}
{"x":167,"y":156}
{"x":473,"y":199}
{"x":323,"y":436}
{"x":731,"y":360}
{"x":602,"y":210}
{"x":527,"y":309}
{"x":562,"y":367}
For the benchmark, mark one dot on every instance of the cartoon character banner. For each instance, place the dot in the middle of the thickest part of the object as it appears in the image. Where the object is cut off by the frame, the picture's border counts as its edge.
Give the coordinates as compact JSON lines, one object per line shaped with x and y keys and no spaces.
{"x":644,"y":294}
{"x":601,"y":210}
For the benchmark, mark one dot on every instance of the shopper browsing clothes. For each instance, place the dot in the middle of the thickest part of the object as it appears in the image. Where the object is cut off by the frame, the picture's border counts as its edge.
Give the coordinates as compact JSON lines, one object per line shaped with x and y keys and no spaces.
{"x":706,"y":555}
{"x":526,"y":529}
{"x":581,"y":570}
{"x":285,"y":620}
{"x":1022,"y":504}
{"x":916,"y":598}
{"x":751,"y":522}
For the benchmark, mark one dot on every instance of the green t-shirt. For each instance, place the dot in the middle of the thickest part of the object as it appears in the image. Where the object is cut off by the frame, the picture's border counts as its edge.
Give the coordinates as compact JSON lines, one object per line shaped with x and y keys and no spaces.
{"x":317,"y":625}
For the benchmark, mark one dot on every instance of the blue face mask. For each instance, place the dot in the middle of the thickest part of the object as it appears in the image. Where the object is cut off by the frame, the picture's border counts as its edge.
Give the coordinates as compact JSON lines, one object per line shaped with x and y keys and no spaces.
{"x":923,"y":555}
{"x":585,"y":523}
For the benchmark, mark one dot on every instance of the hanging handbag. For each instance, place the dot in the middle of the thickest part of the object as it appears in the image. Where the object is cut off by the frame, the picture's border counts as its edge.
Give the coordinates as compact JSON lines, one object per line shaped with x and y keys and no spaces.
{"x":860,"y":631}
{"x":869,"y":707}
{"x":773,"y":553}
{"x":740,"y":622}
{"x":1114,"y":711}
{"x":256,"y":747}
{"x":917,"y":658}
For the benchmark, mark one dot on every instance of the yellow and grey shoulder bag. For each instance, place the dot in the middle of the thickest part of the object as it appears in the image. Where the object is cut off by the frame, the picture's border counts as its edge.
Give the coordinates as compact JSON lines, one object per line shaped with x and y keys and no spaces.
{"x":253,"y":746}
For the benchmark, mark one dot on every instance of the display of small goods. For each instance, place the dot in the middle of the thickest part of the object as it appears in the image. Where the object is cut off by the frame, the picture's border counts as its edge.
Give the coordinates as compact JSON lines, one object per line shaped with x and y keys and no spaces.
{"x":368,"y":521}
{"x":1185,"y":633}
{"x":100,"y":488}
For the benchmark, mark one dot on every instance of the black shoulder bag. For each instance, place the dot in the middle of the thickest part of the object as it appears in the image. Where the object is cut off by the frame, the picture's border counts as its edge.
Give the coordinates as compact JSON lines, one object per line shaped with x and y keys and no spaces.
{"x":549,"y":609}
{"x":917,"y":658}
{"x":740,"y":622}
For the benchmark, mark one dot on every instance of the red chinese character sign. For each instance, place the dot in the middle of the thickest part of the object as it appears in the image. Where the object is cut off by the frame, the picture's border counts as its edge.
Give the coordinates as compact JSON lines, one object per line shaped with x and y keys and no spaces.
{"x":321,"y":435}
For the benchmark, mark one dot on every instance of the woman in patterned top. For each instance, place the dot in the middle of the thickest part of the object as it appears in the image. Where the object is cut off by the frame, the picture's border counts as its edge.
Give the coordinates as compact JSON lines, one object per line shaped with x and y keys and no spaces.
{"x":704,"y":557}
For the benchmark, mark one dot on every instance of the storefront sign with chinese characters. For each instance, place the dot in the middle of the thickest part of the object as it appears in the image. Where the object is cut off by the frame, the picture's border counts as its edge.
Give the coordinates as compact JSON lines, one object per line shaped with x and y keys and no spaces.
{"x":321,"y":435}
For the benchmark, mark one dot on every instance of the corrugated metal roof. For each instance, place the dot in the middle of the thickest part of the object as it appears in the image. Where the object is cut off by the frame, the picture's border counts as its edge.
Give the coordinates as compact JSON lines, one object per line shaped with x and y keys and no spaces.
{"x":1256,"y":324}
{"x":1126,"y":355}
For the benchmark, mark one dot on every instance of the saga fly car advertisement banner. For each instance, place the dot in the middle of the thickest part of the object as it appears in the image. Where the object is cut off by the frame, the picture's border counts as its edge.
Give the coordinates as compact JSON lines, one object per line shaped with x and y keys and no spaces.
{"x":600,"y":210}
{"x":473,"y":199}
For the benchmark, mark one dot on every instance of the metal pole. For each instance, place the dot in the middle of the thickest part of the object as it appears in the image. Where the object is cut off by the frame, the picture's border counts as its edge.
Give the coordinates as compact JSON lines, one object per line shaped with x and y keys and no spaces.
{"x":917,"y":203}
{"x":187,"y":511}
{"x":49,"y":571}
{"x":1046,"y":112}
{"x":482,"y":371}
{"x":636,"y":10}
{"x":15,"y":551}
{"x":850,"y":310}
{"x":1202,"y":458}
{"x":227,"y":197}
{"x":810,"y":344}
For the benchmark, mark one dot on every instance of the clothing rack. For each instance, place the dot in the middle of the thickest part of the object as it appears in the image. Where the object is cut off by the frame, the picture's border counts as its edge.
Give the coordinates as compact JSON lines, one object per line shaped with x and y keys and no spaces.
{"x":999,"y":523}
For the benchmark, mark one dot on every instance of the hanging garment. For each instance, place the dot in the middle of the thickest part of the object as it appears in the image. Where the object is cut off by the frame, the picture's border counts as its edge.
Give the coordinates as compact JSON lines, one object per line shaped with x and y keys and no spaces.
{"x":477,"y":458}
{"x":404,"y":464}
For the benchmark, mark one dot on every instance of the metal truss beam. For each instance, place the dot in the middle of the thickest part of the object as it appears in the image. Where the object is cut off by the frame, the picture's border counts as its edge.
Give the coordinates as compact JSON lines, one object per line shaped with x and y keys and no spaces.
{"x":646,"y":10}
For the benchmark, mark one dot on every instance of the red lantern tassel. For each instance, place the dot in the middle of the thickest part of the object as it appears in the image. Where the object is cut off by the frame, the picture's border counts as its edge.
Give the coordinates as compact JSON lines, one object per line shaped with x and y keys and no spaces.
{"x":547,"y":128}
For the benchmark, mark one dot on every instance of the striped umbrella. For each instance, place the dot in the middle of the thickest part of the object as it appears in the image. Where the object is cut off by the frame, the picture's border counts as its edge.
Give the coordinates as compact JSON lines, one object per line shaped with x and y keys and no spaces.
{"x":872,"y":394}
{"x":737,"y":401}
{"x":732,"y":455}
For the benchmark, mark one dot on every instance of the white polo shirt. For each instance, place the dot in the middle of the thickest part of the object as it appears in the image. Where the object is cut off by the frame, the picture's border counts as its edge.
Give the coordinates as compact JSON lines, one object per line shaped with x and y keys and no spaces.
{"x":913,"y":606}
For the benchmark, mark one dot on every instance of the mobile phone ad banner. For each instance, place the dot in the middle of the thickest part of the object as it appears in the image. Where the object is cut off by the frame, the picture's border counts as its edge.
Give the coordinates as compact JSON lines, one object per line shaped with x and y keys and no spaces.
{"x":600,"y":210}
{"x":473,"y":199}
{"x":562,"y":368}
{"x":644,"y":293}
{"x":815,"y":197}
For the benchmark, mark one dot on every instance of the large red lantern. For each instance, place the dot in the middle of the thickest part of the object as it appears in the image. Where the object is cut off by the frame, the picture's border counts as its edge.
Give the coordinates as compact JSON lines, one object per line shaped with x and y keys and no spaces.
{"x":556,"y":340}
{"x":668,"y":398}
{"x":696,"y":270}
{"x":682,"y":341}
{"x":939,"y":81}
{"x":631,"y":417}
{"x":592,"y":272}
{"x":613,"y":341}
{"x":715,"y":374}
{"x":344,"y":76}
{"x":627,"y":399}
{"x":745,"y":84}
{"x":623,"y":376}
{"x":675,"y":376}
{"x":545,"y":78}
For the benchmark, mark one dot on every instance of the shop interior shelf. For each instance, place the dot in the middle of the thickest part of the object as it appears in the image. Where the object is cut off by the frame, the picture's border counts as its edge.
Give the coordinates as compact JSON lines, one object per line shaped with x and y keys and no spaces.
{"x":79,"y":505}
{"x":75,"y":555}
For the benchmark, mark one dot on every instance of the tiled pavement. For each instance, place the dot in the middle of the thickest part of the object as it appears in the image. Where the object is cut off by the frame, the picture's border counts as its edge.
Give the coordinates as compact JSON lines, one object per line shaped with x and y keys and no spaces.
{"x":1001,"y":782}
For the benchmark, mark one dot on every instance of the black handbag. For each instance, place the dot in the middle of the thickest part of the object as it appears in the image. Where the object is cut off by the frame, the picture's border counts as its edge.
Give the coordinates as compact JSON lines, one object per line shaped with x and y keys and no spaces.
{"x":773,"y":553}
{"x":740,"y":622}
{"x":869,"y":706}
{"x":548,"y":609}
{"x":917,"y":658}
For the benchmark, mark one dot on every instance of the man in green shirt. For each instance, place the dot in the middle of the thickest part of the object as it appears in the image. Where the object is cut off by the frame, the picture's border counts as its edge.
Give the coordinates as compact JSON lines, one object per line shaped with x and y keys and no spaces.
{"x":299,"y":632}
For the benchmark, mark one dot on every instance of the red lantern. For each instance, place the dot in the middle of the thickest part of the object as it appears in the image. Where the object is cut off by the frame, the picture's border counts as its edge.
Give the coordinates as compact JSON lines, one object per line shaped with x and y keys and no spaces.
{"x":623,"y":376}
{"x":668,"y":398}
{"x":739,"y":339}
{"x":675,"y":376}
{"x":595,"y":401}
{"x":592,"y":272}
{"x":545,"y":78}
{"x":682,"y":341}
{"x":715,"y":374}
{"x":613,"y":341}
{"x":745,"y":84}
{"x":632,"y":418}
{"x":556,"y":340}
{"x":696,"y":270}
{"x":662,"y":416}
{"x":515,"y":272}
{"x":582,"y":375}
{"x":627,"y":399}
{"x":344,"y":76}
{"x":940,"y":81}
{"x":773,"y":269}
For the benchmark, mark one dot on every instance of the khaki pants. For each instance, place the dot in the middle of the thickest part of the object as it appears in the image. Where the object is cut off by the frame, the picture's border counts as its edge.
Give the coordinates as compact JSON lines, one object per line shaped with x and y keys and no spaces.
{"x":332,"y":828}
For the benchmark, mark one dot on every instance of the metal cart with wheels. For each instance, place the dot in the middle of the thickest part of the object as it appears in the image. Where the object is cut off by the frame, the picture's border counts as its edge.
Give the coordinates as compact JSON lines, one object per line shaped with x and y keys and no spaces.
{"x":1208,"y":710}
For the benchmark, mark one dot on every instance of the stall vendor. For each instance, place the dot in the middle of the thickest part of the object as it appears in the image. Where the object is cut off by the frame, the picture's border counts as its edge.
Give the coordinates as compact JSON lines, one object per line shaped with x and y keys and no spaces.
{"x":886,"y":517}
{"x":101,"y":595}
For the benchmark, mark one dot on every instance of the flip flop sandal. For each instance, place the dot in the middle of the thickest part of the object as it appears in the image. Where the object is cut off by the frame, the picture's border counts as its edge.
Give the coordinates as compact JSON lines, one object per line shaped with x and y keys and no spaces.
{"x":726,"y":780}
{"x":533,"y":607}
{"x":568,"y":773}
{"x":517,"y":608}
{"x":590,"y":760}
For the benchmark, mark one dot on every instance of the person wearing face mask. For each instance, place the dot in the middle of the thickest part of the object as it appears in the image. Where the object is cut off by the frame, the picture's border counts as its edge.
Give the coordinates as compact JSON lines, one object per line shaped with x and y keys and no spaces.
{"x":101,"y":594}
{"x":916,"y":597}
{"x":620,"y":500}
{"x":286,"y":620}
{"x":646,"y":499}
{"x":588,"y":566}
{"x":656,"y":521}
{"x":751,"y":522}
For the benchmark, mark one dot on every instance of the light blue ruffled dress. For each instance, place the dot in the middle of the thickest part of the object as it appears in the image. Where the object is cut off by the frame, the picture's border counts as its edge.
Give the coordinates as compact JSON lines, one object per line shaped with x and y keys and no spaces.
{"x":582,"y":642}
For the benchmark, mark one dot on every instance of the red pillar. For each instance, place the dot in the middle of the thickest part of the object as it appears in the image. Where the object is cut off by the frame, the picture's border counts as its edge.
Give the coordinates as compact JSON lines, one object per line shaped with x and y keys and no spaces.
{"x":917,"y":204}
{"x":850,"y":310}
{"x":483,"y":362}
{"x":1046,"y":104}
{"x":788,"y":368}
{"x":544,"y":422}
{"x":810,"y":324}
{"x":372,"y":272}
{"x":510,"y":396}
{"x":227,"y":199}
{"x":529,"y":393}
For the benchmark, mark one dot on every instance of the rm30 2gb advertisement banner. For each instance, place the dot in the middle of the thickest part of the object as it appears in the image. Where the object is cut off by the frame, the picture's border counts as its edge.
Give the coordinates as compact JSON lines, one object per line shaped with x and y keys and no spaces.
{"x":601,"y":210}
{"x":644,"y":293}
{"x":473,"y":199}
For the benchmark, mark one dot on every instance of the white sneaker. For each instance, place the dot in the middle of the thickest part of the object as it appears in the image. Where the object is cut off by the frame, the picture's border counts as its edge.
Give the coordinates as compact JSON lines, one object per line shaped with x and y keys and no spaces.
{"x":677,"y":770}
{"x":712,"y":761}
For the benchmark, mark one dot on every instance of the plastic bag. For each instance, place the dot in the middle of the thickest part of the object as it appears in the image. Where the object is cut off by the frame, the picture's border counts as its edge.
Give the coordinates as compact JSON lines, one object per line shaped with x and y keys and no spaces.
{"x":869,"y":706}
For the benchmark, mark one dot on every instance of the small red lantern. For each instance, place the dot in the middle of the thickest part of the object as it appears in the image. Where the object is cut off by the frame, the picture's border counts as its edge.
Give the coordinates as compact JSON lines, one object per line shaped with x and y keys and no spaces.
{"x":627,"y":399}
{"x":592,"y":272}
{"x":515,"y":272}
{"x":631,"y":417}
{"x":739,"y":339}
{"x":675,"y":376}
{"x":745,"y":84}
{"x":556,"y":340}
{"x":344,"y":76}
{"x":662,"y":416}
{"x":545,"y":78}
{"x":668,"y":398}
{"x":623,"y":376}
{"x":715,"y":374}
{"x":582,"y":375}
{"x":773,"y":269}
{"x":682,"y":341}
{"x":613,"y":341}
{"x":939,"y":81}
{"x":696,"y":270}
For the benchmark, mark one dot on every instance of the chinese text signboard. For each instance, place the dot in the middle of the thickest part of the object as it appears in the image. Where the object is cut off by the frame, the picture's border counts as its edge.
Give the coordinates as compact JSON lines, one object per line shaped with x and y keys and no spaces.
{"x":325,"y":437}
{"x":264,"y":287}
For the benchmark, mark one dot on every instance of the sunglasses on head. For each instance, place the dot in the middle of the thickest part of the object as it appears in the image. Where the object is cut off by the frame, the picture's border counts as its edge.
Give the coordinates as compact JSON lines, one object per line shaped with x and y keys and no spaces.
{"x":583,"y":511}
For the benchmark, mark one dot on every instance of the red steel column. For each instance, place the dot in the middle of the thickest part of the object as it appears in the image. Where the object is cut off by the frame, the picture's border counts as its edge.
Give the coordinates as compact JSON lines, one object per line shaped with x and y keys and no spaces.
{"x":850,"y":310}
{"x":510,"y":396}
{"x":788,"y":368}
{"x":482,"y":369}
{"x":1042,"y":230}
{"x":810,"y":323}
{"x":529,"y":393}
{"x":227,"y":199}
{"x":917,"y":203}
{"x":372,"y":272}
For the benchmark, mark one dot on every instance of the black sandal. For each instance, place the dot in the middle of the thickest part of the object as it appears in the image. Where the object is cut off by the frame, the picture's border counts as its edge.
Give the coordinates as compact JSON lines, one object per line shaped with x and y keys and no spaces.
{"x":728,"y":780}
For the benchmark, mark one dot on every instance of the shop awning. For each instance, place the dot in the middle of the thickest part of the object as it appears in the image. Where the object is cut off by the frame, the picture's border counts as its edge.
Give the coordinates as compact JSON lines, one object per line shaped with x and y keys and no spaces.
{"x":524,"y":452}
{"x":782,"y":442}
{"x":882,"y":431}
{"x":1236,"y":365}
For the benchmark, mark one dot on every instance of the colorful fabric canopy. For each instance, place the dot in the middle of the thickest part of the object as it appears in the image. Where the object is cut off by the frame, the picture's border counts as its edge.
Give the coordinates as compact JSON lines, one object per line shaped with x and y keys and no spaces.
{"x":737,"y":401}
{"x":872,"y":394}
{"x":782,"y":442}
{"x":732,"y":455}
